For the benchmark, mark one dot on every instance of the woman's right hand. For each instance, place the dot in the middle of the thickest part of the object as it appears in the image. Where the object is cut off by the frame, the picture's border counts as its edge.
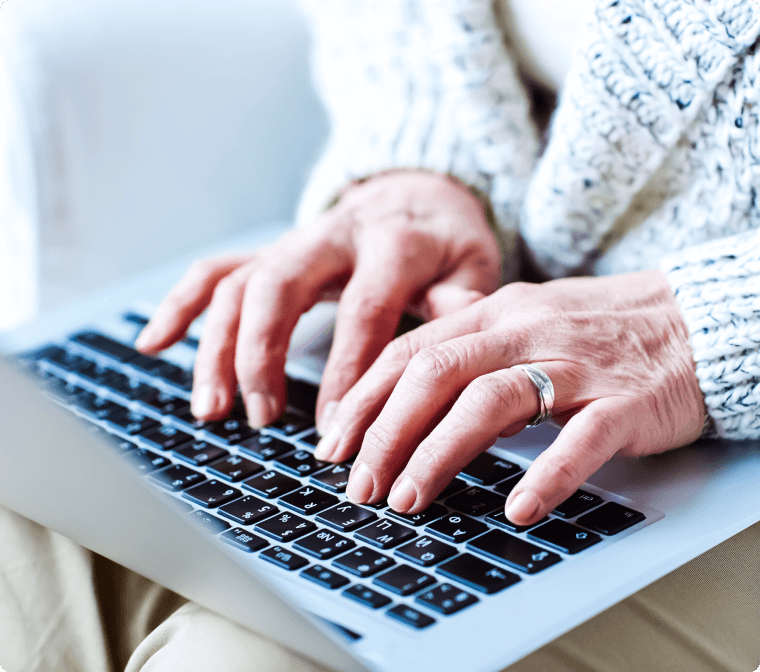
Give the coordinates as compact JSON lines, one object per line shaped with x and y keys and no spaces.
{"x":398,"y":241}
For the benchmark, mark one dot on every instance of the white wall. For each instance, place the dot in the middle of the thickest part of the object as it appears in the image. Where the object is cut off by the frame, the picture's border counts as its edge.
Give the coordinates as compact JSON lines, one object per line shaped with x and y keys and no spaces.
{"x":155,"y":126}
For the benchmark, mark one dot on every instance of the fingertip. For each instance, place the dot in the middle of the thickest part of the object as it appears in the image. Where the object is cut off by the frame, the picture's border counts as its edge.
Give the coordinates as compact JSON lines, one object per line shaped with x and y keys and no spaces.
{"x":262,"y":408}
{"x":146,"y":340}
{"x":328,"y":443}
{"x":523,"y":508}
{"x":403,"y":495}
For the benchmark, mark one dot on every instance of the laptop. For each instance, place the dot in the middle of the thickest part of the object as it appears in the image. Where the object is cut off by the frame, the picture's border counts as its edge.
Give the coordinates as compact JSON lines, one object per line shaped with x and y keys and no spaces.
{"x":97,"y":442}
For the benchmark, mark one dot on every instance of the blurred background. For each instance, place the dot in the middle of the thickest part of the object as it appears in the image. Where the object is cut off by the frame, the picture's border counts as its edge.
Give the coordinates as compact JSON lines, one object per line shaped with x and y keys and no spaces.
{"x":133,"y":131}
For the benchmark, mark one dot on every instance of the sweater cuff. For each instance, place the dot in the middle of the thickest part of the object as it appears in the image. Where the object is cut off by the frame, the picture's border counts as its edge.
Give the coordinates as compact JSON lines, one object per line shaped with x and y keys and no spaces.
{"x":718,"y":288}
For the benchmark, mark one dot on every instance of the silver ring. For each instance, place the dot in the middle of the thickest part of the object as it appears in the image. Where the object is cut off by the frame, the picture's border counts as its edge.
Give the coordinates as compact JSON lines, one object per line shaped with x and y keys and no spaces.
{"x":545,"y":391}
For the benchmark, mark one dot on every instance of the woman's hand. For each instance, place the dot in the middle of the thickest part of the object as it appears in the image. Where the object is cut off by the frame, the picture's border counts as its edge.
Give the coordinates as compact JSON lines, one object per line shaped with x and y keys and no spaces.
{"x":615,"y":348}
{"x":397,"y":240}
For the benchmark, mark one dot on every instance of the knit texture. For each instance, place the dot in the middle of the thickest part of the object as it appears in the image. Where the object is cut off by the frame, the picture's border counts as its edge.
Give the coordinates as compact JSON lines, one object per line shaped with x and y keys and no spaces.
{"x":653,"y":157}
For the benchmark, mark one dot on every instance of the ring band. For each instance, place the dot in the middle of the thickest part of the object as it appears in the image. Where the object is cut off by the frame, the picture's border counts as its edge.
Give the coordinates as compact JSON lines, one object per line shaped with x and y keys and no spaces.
{"x":545,"y":391}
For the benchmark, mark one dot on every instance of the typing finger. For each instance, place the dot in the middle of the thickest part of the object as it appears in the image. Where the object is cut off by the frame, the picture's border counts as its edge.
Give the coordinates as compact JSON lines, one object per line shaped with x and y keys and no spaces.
{"x":214,"y":381}
{"x":497,"y":403}
{"x":364,"y":401}
{"x":186,"y":300}
{"x":389,"y":271}
{"x":590,"y":438}
{"x":434,"y":379}
{"x":288,"y":284}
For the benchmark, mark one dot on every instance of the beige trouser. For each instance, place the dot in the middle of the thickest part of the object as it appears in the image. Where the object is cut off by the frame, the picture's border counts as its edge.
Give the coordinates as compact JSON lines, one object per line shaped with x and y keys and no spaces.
{"x":64,"y":610}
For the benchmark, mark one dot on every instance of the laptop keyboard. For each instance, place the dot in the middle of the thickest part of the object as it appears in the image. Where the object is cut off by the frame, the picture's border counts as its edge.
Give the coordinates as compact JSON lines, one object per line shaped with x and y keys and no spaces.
{"x":264,"y":493}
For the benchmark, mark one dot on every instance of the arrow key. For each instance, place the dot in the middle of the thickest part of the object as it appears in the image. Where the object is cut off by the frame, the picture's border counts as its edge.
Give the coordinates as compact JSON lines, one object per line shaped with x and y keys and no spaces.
{"x":564,"y":537}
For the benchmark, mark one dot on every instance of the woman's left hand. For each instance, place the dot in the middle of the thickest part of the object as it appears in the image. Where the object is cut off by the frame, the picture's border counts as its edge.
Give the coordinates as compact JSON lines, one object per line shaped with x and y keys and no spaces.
{"x":616,"y":349}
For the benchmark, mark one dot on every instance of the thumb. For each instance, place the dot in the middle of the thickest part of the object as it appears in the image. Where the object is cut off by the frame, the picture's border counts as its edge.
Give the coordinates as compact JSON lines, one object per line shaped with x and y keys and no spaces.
{"x":470,"y":282}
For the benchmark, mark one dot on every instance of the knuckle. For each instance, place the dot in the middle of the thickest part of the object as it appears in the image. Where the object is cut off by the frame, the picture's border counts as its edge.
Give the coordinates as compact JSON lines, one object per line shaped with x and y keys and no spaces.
{"x":433,"y":364}
{"x":398,"y":352}
{"x":565,"y":473}
{"x":429,"y":458}
{"x":491,"y":396}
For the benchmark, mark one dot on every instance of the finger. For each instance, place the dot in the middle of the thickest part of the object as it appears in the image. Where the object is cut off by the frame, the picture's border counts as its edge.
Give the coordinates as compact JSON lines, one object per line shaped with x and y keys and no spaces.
{"x":434,"y":378}
{"x":364,"y":401}
{"x":276,"y":295}
{"x":388,"y":274}
{"x":472,"y":280}
{"x":590,"y":438}
{"x":493,"y":404}
{"x":214,"y":381}
{"x":186,"y":300}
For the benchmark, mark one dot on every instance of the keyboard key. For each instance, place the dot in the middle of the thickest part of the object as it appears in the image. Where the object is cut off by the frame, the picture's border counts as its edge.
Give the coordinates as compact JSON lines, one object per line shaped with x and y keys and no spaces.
{"x":312,"y":439}
{"x":366,"y":596}
{"x":163,"y":402}
{"x":146,"y":460}
{"x":378,"y":506}
{"x":334,"y":479}
{"x":363,"y":562}
{"x":121,"y":445}
{"x":447,"y":599}
{"x":95,"y":407}
{"x":65,"y":360}
{"x":133,"y":389}
{"x":475,"y":501}
{"x":271,"y":484}
{"x":177,"y":477}
{"x":457,"y":528}
{"x":302,"y":463}
{"x":233,"y":468}
{"x":165,"y":437}
{"x":505,"y":487}
{"x":513,"y":551}
{"x":433,"y":512}
{"x":64,"y":391}
{"x":564,"y":536}
{"x":346,"y":517}
{"x":98,"y":374}
{"x":244,"y":540}
{"x":612,"y":518}
{"x":324,"y":577}
{"x":457,"y":485}
{"x":324,"y":544}
{"x":411,"y":617}
{"x":309,"y":500}
{"x":200,"y":453}
{"x":385,"y":534}
{"x":477,"y":574}
{"x":487,"y":469}
{"x":404,"y":580}
{"x":212,"y":523}
{"x":248,"y":510}
{"x":230,"y":432}
{"x":576,"y":504}
{"x":211,"y":494}
{"x":189,"y":421}
{"x":285,"y":558}
{"x":265,"y":447}
{"x":105,"y":346}
{"x":130,"y":422}
{"x":426,"y":551}
{"x":286,"y":527}
{"x":302,"y":395}
{"x":292,"y":423}
{"x":500,"y":520}
{"x":174,"y":375}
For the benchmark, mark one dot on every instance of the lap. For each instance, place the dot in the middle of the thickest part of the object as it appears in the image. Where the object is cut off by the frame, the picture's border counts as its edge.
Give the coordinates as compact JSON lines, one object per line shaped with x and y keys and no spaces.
{"x":63,"y":608}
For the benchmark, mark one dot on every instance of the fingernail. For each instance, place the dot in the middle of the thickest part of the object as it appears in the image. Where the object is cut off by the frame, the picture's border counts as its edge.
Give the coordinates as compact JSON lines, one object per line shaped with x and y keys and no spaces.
{"x":204,"y":402}
{"x":523,"y":507}
{"x":261,"y":409}
{"x":403,"y":495}
{"x":361,"y":485}
{"x":328,"y":443}
{"x":327,"y":415}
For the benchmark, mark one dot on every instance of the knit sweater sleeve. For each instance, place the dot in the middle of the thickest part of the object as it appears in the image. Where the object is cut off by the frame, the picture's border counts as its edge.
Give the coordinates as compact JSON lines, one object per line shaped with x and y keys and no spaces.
{"x":718,"y":288}
{"x":419,"y":84}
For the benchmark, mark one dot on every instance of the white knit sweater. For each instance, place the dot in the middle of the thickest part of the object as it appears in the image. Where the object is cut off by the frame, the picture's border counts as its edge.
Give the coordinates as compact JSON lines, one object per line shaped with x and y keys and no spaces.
{"x":653,"y":157}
